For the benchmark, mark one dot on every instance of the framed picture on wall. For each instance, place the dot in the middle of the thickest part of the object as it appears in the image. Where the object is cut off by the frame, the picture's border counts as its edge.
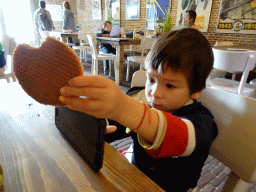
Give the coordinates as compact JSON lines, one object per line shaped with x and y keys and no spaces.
{"x":155,"y":13}
{"x":112,"y":12}
{"x":132,"y":10}
{"x":202,"y":9}
{"x":237,"y":17}
{"x":96,"y":10}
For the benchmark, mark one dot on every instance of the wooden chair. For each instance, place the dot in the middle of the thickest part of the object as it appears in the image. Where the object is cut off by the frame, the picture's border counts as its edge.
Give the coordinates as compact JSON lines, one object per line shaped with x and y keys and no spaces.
{"x":235,"y":145}
{"x":84,"y":45}
{"x":146,"y":43}
{"x":9,"y":45}
{"x":234,"y":61}
{"x":96,"y":57}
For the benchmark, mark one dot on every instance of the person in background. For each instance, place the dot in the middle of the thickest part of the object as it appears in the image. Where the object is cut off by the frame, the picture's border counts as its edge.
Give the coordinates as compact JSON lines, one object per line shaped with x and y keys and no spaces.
{"x":68,"y":19}
{"x":191,"y":17}
{"x":171,"y":131}
{"x":106,"y":48}
{"x":43,"y":21}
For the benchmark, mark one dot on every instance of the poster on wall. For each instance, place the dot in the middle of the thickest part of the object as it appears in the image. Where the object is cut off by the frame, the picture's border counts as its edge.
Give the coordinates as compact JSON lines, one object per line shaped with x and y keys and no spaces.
{"x":132,"y":10}
{"x":237,"y":16}
{"x":96,"y":10}
{"x":112,"y":12}
{"x":155,"y":13}
{"x":202,"y":9}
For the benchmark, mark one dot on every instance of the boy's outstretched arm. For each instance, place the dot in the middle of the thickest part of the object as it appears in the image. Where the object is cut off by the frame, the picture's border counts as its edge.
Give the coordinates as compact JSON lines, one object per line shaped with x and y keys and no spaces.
{"x":101,"y":97}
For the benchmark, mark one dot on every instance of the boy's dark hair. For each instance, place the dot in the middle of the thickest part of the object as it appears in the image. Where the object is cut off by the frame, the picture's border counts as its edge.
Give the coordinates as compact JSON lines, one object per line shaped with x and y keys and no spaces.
{"x":187,"y":51}
{"x":42,"y":4}
{"x":192,"y":14}
{"x":106,"y":22}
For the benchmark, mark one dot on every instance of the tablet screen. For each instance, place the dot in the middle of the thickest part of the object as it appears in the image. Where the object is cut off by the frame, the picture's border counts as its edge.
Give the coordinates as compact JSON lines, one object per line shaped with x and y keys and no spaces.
{"x":85,"y":133}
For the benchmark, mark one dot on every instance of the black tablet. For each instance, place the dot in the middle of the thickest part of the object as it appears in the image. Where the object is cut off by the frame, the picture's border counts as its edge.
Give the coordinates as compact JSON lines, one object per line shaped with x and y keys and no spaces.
{"x":85,"y":133}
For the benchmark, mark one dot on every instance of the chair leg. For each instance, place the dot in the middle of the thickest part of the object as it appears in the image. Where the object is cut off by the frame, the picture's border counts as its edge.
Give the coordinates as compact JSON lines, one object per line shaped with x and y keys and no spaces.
{"x":81,"y":55}
{"x":92,"y":67}
{"x":85,"y":55}
{"x":14,"y":78}
{"x":96,"y":67}
{"x":128,"y":71}
{"x":110,"y":68}
{"x":141,"y":66}
{"x":116,"y":67}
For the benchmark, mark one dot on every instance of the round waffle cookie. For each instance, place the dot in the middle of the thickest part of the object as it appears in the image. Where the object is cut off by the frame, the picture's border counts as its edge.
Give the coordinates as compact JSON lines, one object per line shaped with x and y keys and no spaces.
{"x":42,"y":71}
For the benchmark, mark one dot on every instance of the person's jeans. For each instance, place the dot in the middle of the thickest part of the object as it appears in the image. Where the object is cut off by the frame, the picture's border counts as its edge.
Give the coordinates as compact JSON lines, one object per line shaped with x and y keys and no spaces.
{"x":107,"y":49}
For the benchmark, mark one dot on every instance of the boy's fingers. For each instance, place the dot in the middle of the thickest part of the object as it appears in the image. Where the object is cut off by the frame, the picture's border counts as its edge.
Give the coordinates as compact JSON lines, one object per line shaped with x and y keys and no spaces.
{"x":86,"y":105}
{"x":89,"y":81}
{"x":95,"y":93}
{"x":111,"y":129}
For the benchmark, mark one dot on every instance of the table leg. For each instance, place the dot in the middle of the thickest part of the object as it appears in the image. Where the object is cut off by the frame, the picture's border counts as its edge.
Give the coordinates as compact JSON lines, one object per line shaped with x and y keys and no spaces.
{"x":119,"y":67}
{"x":64,"y":39}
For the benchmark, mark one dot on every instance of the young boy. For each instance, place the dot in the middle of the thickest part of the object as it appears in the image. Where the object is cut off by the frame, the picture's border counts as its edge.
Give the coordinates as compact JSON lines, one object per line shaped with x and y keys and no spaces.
{"x":172,"y":132}
{"x":106,"y":48}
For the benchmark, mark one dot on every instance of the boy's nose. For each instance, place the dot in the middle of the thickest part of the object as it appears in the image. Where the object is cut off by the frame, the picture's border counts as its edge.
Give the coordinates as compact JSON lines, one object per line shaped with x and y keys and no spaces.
{"x":157,"y":91}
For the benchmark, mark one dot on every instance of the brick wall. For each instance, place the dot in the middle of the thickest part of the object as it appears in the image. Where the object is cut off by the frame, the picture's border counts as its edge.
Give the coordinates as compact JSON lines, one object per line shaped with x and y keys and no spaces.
{"x":83,"y":15}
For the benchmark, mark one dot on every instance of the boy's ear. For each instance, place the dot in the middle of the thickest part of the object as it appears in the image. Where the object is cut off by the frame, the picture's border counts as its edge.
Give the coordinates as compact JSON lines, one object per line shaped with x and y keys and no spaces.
{"x":196,"y":95}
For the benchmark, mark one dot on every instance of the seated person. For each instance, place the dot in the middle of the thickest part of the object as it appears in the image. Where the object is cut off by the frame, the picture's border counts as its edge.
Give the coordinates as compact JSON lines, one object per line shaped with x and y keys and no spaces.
{"x":106,"y":48}
{"x":171,"y":131}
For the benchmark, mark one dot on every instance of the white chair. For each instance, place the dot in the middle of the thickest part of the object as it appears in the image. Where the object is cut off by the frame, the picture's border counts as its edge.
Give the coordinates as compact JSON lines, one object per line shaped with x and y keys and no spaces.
{"x":9,"y":45}
{"x":216,"y":72}
{"x":139,"y":78}
{"x":146,"y":43}
{"x":235,"y":145}
{"x":129,"y":51}
{"x":84,"y":45}
{"x":234,"y":61}
{"x":96,"y":57}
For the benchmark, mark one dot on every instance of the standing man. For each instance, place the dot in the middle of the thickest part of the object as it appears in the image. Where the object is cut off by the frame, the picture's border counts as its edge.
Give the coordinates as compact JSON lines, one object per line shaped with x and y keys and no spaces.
{"x":190,"y":19}
{"x":43,"y":21}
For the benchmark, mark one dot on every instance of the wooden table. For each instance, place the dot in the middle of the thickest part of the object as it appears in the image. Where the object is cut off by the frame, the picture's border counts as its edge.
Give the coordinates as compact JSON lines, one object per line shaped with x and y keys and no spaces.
{"x":63,"y":36}
{"x":35,"y":157}
{"x":119,"y":42}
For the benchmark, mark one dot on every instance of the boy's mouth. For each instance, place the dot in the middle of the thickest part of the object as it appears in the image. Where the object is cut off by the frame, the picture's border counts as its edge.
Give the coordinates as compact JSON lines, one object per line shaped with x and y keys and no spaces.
{"x":157,"y":106}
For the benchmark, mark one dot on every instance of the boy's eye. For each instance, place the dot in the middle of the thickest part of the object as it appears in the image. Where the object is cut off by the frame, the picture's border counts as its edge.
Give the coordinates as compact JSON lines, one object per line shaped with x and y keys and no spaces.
{"x":170,"y":86}
{"x":151,"y":80}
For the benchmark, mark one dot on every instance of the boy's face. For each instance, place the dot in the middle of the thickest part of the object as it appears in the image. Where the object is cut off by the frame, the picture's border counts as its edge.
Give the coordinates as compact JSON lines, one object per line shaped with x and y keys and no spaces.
{"x":168,"y":91}
{"x":108,"y":27}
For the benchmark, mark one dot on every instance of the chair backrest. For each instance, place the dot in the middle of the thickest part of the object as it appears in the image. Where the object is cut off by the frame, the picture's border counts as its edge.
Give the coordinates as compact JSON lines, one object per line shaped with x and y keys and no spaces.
{"x":146,"y":43}
{"x":235,"y":61}
{"x":92,"y":42}
{"x":139,"y":79}
{"x":82,"y":36}
{"x":235,"y":145}
{"x":230,"y":61}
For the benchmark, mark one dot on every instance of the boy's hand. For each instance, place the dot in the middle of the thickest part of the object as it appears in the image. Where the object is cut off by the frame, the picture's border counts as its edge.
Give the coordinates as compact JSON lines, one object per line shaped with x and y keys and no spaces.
{"x":95,"y":95}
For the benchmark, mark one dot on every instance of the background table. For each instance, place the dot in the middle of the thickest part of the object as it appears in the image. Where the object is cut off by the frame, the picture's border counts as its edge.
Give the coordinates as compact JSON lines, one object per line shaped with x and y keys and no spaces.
{"x":63,"y":36}
{"x":35,"y":156}
{"x":119,"y":42}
